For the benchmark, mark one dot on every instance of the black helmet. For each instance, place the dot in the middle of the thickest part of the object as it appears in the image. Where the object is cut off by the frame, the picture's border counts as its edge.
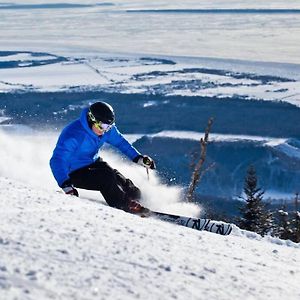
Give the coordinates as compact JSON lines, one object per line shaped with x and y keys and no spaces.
{"x":101,"y":112}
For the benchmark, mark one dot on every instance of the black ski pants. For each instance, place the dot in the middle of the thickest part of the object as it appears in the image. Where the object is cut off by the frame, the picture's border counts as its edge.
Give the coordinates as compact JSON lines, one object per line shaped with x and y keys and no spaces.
{"x":115,"y":188}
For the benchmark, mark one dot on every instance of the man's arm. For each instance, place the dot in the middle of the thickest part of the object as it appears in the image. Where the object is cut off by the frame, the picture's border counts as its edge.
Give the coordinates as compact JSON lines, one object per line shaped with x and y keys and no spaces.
{"x":116,"y":139}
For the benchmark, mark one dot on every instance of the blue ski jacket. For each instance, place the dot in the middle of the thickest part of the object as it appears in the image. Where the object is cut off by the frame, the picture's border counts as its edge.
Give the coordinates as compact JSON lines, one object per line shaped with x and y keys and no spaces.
{"x":78,"y":146}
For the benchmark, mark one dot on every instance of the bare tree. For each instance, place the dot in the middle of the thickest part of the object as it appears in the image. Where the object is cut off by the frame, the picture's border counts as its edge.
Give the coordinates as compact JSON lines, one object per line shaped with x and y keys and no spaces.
{"x":198,"y":171}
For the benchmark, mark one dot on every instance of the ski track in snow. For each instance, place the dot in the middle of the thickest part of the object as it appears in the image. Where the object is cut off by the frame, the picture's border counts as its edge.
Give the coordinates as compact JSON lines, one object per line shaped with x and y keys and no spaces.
{"x":54,"y":246}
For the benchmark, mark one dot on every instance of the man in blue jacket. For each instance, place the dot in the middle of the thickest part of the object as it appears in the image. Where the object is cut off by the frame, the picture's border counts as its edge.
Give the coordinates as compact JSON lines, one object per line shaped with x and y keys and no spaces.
{"x":75,"y":162}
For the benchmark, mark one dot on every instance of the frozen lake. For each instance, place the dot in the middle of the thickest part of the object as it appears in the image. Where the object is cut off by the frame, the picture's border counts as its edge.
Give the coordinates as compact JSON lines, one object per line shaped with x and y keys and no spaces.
{"x":247,"y":30}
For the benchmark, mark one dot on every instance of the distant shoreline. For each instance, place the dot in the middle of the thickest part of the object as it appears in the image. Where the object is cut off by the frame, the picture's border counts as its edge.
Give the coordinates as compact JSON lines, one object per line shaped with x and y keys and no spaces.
{"x":217,"y":11}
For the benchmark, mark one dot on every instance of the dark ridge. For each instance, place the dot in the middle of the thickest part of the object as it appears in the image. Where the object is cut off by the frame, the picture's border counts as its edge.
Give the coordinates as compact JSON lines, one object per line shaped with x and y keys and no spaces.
{"x":216,"y":11}
{"x":226,"y":179}
{"x":262,"y":78}
{"x":28,"y":63}
{"x":158,"y":60}
{"x":233,"y":115}
{"x":43,"y":6}
{"x":105,"y":4}
{"x":36,"y":54}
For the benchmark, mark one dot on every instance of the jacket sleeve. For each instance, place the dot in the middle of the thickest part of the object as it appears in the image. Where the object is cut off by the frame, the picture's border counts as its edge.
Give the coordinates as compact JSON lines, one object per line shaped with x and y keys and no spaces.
{"x":117,"y":140}
{"x":60,"y":160}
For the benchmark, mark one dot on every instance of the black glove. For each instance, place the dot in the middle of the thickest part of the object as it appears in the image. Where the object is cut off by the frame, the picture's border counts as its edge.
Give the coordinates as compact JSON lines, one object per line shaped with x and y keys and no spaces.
{"x":69,"y":189}
{"x":145,"y":161}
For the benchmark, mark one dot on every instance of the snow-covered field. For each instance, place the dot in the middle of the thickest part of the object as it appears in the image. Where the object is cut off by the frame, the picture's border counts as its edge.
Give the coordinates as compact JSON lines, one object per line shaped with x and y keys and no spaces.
{"x":166,"y":66}
{"x":146,"y":75}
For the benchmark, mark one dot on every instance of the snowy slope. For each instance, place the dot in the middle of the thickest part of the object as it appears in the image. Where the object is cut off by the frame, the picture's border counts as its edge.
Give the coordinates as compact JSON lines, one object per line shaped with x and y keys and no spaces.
{"x":54,"y":246}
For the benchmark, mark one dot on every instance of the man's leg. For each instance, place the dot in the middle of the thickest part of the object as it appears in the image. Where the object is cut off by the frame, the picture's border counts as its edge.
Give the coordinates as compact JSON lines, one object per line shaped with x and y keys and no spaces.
{"x":115,"y":188}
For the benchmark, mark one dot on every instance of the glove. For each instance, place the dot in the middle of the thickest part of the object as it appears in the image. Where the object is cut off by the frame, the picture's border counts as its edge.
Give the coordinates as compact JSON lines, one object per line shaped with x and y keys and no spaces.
{"x":145,"y":161}
{"x":69,"y":189}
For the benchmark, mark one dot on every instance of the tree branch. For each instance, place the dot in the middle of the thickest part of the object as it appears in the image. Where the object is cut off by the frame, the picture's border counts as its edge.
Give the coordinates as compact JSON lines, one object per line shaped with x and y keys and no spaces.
{"x":198,"y":172}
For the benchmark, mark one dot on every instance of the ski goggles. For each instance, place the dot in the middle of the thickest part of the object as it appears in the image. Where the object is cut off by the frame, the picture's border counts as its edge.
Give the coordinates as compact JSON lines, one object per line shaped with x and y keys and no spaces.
{"x":98,"y":124}
{"x":102,"y":126}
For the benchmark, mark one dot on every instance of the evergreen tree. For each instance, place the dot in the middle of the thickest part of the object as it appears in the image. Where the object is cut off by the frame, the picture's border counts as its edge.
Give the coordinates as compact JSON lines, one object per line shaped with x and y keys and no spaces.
{"x":295,"y":236}
{"x":295,"y":222}
{"x":283,"y":229}
{"x":254,"y":217}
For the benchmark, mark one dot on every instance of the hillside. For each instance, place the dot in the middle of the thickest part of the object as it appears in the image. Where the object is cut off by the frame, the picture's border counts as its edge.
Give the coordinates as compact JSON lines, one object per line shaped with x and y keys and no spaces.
{"x":54,"y":246}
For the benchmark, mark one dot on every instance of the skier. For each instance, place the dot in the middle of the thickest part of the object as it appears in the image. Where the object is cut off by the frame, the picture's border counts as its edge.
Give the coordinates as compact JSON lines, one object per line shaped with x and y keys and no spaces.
{"x":75,"y":163}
